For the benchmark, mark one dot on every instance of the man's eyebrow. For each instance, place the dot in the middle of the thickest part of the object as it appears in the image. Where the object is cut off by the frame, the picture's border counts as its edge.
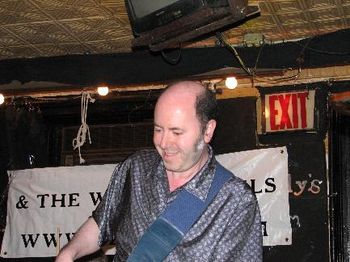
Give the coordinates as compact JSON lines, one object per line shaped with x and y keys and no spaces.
{"x":176,"y":129}
{"x":172,"y":128}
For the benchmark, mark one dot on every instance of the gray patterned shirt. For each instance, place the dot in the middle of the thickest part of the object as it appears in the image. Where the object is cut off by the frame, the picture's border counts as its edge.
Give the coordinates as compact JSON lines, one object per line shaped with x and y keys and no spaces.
{"x":229,"y":229}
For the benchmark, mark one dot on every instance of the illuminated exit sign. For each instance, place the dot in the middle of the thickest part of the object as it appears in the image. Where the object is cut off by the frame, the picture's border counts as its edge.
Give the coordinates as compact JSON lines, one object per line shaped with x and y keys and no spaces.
{"x":288,"y":111}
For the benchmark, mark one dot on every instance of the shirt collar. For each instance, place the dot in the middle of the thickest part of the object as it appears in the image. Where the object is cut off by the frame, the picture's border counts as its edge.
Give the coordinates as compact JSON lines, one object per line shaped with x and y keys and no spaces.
{"x":200,"y":184}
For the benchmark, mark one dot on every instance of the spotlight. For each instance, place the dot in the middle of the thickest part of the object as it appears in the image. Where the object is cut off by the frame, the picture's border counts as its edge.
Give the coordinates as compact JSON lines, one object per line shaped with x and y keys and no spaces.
{"x":103,"y":90}
{"x":2,"y":99}
{"x":231,"y":82}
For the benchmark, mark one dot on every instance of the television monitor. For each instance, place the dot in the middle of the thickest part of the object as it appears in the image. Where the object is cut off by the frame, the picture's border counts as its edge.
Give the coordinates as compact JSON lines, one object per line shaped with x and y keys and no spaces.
{"x":161,"y":21}
{"x":146,"y":15}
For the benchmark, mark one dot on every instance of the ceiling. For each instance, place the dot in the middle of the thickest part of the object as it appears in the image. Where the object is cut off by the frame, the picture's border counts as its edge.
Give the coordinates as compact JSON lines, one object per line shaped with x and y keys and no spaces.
{"x":46,"y":28}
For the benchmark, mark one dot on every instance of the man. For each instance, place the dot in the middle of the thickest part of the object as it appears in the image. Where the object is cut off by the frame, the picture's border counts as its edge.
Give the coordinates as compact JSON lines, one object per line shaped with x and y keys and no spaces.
{"x":142,"y":186}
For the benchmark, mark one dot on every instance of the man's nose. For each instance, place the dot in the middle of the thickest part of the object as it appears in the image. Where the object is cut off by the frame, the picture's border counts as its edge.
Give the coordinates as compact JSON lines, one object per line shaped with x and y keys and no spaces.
{"x":164,"y":140}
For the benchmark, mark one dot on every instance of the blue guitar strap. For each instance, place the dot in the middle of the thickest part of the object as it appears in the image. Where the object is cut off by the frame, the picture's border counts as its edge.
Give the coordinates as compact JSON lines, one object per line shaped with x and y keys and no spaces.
{"x":168,"y":229}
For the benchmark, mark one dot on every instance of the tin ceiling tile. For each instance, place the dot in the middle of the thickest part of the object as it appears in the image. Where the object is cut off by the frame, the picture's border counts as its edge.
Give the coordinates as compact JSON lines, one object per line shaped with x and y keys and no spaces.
{"x":34,"y":28}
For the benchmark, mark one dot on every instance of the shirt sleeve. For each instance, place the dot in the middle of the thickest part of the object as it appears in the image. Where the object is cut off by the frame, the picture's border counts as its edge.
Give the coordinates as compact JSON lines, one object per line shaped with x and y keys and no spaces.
{"x":109,"y":209}
{"x":242,"y":240}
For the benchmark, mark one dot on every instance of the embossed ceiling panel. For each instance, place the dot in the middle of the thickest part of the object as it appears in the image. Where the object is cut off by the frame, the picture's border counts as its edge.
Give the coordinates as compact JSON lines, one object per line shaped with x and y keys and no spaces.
{"x":43,"y":28}
{"x":284,"y":20}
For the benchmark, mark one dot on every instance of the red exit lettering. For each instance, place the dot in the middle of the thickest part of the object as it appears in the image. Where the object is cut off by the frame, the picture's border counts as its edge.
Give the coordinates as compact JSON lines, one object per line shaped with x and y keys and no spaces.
{"x":290,"y":108}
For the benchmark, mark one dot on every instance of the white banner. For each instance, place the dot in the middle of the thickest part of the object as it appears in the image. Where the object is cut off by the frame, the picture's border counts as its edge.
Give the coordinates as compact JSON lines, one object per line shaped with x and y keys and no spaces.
{"x":266,"y":171}
{"x":47,"y":205}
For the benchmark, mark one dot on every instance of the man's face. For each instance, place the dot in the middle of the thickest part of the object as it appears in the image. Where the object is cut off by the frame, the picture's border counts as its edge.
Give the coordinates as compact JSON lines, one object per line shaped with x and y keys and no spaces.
{"x":178,"y":135}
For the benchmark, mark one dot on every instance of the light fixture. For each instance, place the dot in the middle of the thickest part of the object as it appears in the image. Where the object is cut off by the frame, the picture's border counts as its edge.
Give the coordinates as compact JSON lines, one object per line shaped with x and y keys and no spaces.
{"x":2,"y":99}
{"x":103,"y":90}
{"x":231,"y":82}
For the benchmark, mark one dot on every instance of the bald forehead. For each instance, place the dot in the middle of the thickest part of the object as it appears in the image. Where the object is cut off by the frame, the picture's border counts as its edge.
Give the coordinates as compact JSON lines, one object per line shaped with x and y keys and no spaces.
{"x":185,"y":88}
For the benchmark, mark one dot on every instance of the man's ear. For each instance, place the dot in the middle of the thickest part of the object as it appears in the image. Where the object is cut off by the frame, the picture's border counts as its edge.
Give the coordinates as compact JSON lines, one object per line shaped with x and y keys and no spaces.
{"x":209,"y":131}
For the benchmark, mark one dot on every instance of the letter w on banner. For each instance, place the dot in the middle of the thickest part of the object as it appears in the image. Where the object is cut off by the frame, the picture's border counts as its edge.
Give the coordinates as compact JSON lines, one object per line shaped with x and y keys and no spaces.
{"x":47,"y":205}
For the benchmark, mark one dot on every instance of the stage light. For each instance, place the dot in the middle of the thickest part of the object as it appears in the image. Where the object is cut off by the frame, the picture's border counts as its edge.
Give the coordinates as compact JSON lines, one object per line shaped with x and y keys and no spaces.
{"x":103,"y":90}
{"x":2,"y":99}
{"x":231,"y":82}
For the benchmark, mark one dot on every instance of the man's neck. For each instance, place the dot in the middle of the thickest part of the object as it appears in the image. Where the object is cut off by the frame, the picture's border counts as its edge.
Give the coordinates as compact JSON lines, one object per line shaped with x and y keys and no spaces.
{"x":178,"y":179}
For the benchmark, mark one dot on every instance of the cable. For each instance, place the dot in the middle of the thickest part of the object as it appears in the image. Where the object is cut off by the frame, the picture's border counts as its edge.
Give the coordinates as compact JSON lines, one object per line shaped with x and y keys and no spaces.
{"x":173,"y":61}
{"x":323,"y":51}
{"x":231,"y":48}
{"x":252,"y":73}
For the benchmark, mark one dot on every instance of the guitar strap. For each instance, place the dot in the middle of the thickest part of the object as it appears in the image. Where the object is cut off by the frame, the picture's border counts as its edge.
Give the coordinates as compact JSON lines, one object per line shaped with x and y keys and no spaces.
{"x":169,"y":228}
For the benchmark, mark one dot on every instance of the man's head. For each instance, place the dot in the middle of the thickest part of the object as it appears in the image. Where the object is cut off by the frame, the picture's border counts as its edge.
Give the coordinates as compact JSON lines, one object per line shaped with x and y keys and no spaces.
{"x":184,"y":121}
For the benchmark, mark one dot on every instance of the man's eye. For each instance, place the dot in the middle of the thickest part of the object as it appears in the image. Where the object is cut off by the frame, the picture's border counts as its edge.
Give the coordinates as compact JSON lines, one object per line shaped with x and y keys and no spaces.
{"x":177,"y":133}
{"x":157,"y":130}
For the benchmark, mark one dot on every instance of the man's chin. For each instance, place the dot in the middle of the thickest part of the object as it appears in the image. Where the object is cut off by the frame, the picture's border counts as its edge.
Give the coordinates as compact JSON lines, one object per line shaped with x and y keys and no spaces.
{"x":171,"y":167}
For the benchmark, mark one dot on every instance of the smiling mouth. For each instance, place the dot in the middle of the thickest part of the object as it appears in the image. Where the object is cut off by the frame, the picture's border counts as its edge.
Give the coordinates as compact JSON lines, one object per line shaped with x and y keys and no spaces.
{"x":168,"y":154}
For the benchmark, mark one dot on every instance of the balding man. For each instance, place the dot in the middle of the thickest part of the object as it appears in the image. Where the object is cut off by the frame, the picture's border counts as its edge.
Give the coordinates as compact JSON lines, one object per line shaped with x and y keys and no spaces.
{"x":175,"y":203}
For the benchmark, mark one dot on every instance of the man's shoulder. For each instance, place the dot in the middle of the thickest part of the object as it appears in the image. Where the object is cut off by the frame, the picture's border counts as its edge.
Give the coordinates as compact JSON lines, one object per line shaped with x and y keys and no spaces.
{"x":237,"y":184}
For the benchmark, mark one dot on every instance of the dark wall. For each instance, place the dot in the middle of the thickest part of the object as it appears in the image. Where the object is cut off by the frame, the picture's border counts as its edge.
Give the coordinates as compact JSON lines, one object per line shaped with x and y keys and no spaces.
{"x":24,"y":133}
{"x":3,"y":168}
{"x":339,"y":179}
{"x":236,"y":125}
{"x":308,"y":196}
{"x":306,"y":164}
{"x":146,"y":67}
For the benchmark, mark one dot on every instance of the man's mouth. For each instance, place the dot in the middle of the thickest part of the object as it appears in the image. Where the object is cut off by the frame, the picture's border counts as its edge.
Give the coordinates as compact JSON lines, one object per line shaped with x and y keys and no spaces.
{"x":168,"y":154}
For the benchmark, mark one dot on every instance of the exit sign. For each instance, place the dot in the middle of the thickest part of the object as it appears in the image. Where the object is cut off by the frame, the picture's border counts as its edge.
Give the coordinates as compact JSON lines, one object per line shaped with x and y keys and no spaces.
{"x":288,"y":111}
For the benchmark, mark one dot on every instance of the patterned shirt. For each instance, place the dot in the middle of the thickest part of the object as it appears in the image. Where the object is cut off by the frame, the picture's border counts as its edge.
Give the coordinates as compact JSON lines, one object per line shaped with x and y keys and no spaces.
{"x":138,"y":192}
